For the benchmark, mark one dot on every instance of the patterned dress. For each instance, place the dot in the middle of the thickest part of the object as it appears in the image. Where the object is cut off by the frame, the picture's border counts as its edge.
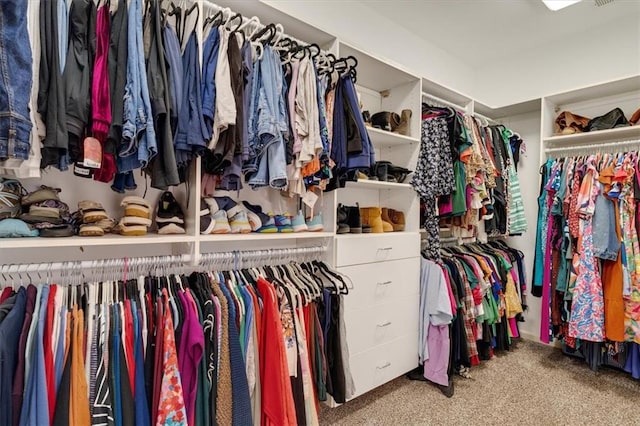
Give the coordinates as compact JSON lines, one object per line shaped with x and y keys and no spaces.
{"x":587,"y":311}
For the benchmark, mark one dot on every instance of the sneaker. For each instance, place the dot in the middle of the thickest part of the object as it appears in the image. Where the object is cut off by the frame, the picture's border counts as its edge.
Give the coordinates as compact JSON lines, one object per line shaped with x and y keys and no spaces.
{"x":240,"y":223}
{"x":315,"y":223}
{"x":283,"y":223}
{"x":170,"y":228}
{"x":268,"y":227}
{"x":267,"y":223}
{"x":223,"y":203}
{"x":206,"y":221}
{"x":11,"y":192}
{"x":254,"y":220}
{"x":221,"y":225}
{"x":298,"y":223}
{"x":136,"y":206}
{"x":169,"y":211}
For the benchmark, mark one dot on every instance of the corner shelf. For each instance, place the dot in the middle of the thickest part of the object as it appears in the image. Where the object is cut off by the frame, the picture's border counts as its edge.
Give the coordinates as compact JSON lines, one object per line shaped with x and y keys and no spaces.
{"x":377,"y":185}
{"x":106,"y":240}
{"x":383,"y":138}
{"x":254,"y":236}
{"x":610,"y":135}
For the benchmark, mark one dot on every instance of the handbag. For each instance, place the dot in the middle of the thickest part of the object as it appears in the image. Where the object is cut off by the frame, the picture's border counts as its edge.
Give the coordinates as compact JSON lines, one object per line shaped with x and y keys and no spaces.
{"x":611,"y":120}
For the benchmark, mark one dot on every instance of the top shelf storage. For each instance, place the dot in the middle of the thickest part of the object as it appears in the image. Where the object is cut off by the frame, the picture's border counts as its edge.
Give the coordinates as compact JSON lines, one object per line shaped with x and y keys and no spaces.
{"x":376,"y":73}
{"x":611,"y":135}
{"x":604,"y":90}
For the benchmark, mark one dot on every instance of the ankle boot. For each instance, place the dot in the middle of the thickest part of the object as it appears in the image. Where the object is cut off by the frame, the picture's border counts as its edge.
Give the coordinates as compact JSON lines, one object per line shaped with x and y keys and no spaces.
{"x":397,"y":220}
{"x":386,"y":220}
{"x":373,"y":218}
{"x":342,"y":217}
{"x":354,"y":220}
{"x":404,"y":128}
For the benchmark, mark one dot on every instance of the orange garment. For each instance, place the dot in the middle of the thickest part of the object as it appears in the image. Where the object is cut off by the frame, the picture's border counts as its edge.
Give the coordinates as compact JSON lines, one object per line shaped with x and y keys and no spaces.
{"x":311,"y":168}
{"x":79,"y":395}
{"x":612,"y":277}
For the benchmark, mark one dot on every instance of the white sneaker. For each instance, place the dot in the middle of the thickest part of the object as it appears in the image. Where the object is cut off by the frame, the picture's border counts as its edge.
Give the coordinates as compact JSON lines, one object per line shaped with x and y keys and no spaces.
{"x":240,"y":223}
{"x":221,"y":223}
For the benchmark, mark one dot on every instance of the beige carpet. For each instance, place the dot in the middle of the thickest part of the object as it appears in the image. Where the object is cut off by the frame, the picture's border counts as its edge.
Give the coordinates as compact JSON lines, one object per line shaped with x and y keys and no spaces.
{"x":532,"y":385}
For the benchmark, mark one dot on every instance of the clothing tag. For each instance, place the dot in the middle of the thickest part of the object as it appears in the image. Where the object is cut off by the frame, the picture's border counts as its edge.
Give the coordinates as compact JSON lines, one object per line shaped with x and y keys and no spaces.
{"x":92,"y":153}
{"x":310,"y":199}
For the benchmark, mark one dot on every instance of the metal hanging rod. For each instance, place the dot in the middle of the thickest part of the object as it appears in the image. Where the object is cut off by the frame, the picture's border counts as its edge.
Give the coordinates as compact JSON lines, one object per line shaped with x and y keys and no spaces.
{"x":484,"y":117}
{"x":444,"y":102}
{"x":597,"y":147}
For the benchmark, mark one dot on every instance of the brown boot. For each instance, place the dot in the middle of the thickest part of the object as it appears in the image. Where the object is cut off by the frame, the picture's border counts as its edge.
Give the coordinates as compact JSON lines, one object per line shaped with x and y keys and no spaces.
{"x":372,"y":216}
{"x":397,"y":220}
{"x":387,"y":225}
{"x":404,"y":128}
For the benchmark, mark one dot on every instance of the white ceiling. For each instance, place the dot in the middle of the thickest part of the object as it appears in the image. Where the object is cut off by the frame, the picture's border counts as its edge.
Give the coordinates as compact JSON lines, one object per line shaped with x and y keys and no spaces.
{"x":478,"y":30}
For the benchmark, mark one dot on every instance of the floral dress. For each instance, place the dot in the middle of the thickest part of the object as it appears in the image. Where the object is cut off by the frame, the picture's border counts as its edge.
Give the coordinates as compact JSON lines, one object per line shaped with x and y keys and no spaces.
{"x":587,"y":310}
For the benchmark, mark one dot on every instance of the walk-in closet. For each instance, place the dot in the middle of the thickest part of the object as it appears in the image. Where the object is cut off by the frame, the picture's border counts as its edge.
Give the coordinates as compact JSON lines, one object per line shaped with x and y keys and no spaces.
{"x":272,"y":212}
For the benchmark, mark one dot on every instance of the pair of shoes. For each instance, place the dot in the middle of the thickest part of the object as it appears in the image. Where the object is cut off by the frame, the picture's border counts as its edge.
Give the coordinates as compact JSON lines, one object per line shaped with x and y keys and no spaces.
{"x":227,"y":217}
{"x":136,"y":219}
{"x":378,"y":220}
{"x":169,"y":215}
{"x":349,"y":220}
{"x":266,"y":224}
{"x":393,"y":122}
{"x":94,"y":221}
{"x":11,"y":193}
{"x":313,"y":224}
{"x":47,"y":213}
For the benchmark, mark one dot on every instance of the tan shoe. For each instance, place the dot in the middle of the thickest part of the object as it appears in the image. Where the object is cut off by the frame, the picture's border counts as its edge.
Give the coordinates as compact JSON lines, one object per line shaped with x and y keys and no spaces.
{"x":372,"y":216}
{"x":397,"y":220}
{"x":404,"y":128}
{"x":386,"y":220}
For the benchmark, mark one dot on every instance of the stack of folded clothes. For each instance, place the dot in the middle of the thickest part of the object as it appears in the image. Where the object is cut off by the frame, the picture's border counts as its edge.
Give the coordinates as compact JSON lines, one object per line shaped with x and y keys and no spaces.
{"x":94,"y":221}
{"x":136,"y":219}
{"x":44,"y":211}
{"x":169,"y":216}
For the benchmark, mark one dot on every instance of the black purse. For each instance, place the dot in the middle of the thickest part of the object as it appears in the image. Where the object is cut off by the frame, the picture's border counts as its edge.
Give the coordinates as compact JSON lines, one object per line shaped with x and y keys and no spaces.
{"x":611,"y":120}
{"x":385,"y":171}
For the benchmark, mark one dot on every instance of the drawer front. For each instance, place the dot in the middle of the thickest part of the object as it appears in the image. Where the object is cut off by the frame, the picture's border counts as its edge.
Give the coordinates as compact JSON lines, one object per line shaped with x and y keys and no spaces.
{"x":382,"y":282}
{"x":380,"y":365}
{"x":374,"y":326}
{"x":358,"y":249}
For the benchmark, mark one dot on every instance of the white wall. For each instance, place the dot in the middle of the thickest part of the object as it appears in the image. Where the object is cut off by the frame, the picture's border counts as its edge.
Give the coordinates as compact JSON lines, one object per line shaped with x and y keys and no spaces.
{"x":594,"y":56}
{"x":528,"y":126}
{"x":361,"y":27}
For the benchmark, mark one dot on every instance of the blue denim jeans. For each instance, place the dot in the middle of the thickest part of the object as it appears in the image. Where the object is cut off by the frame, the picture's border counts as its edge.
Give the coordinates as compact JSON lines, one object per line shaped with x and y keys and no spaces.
{"x":605,"y":240}
{"x":15,"y":81}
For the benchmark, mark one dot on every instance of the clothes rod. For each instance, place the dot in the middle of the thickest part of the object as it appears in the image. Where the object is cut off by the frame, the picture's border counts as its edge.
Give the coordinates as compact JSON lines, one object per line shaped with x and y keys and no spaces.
{"x":596,"y":146}
{"x":443,"y":101}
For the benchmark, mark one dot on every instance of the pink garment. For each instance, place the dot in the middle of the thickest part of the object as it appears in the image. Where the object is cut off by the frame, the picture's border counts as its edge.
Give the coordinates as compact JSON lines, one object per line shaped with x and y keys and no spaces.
{"x":100,"y":95}
{"x":452,"y":297}
{"x":513,"y":325}
{"x":190,"y":354}
{"x":546,"y":280}
{"x":435,"y":367}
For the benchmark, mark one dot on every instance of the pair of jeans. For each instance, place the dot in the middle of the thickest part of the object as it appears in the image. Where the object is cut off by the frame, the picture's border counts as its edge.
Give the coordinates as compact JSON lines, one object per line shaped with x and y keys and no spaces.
{"x":209,"y":64}
{"x":271,"y":124}
{"x":138,"y":134}
{"x":15,"y":81}
{"x":605,"y":242}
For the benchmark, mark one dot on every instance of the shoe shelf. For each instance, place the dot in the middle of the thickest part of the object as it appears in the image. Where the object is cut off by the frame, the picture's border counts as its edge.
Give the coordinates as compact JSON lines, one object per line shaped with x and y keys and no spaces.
{"x":610,"y":135}
{"x":107,"y":240}
{"x":377,"y":185}
{"x":383,"y":138}
{"x":254,"y":236}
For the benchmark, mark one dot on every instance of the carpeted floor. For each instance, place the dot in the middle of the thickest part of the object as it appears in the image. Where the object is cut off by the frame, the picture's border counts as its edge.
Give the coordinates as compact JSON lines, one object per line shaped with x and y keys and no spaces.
{"x":532,"y":385}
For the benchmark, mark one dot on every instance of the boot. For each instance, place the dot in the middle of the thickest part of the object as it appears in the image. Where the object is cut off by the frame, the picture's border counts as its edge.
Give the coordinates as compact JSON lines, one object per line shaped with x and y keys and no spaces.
{"x":386,"y":221}
{"x":342,"y":217}
{"x":404,"y":128}
{"x":397,"y":220}
{"x":354,"y":220}
{"x":372,"y":216}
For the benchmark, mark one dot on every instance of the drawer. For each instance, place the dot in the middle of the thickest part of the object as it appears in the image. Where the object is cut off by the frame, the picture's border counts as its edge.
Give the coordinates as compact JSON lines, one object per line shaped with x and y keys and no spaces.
{"x":374,"y":326}
{"x":370,"y":248}
{"x":378,"y":366}
{"x":382,"y":282}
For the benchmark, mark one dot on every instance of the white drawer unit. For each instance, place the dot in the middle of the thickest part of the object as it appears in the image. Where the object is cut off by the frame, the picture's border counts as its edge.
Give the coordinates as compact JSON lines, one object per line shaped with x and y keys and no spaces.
{"x":370,"y":248}
{"x":384,"y":363}
{"x":377,"y":325}
{"x":382,"y":282}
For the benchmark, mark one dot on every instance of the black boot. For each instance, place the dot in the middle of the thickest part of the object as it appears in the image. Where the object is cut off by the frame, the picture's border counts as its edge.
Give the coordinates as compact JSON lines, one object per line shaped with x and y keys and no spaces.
{"x":342,"y":218}
{"x":354,"y":221}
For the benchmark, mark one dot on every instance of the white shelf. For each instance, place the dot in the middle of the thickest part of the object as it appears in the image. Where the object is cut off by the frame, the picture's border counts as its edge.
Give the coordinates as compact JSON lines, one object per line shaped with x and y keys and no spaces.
{"x":377,"y":185}
{"x":375,"y":234}
{"x":611,"y":135}
{"x":606,"y":89}
{"x":383,"y":138}
{"x":107,"y":240}
{"x":254,"y":236}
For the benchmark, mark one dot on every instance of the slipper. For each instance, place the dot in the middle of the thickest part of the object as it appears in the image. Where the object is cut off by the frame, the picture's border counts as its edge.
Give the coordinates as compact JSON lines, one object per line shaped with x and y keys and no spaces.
{"x":42,"y":194}
{"x":90,"y":230}
{"x":57,"y":231}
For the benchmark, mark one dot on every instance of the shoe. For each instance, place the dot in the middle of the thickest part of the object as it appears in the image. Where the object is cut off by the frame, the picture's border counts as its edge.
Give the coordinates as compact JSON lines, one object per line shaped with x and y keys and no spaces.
{"x":366,"y":117}
{"x":169,"y":228}
{"x":372,"y":216}
{"x":221,"y":223}
{"x":404,"y":128}
{"x":397,"y":220}
{"x":169,"y":210}
{"x":354,"y":220}
{"x":92,"y":211}
{"x":342,"y":215}
{"x":283,"y":223}
{"x":298,"y":223}
{"x":361,"y":176}
{"x":90,"y":230}
{"x":268,"y":225}
{"x":315,"y":223}
{"x":385,"y":120}
{"x":223,"y":203}
{"x":386,"y":220}
{"x":136,"y":206}
{"x":254,"y":220}
{"x":135,"y":220}
{"x":635,"y":118}
{"x":129,"y":230}
{"x":42,"y":194}
{"x":206,"y":221}
{"x":57,"y":231}
{"x":11,"y":192}
{"x":240,"y":223}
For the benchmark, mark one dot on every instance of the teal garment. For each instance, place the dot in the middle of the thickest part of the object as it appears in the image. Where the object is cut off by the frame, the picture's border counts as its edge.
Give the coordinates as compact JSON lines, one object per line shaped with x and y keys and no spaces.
{"x":541,"y":234}
{"x":459,"y":196}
